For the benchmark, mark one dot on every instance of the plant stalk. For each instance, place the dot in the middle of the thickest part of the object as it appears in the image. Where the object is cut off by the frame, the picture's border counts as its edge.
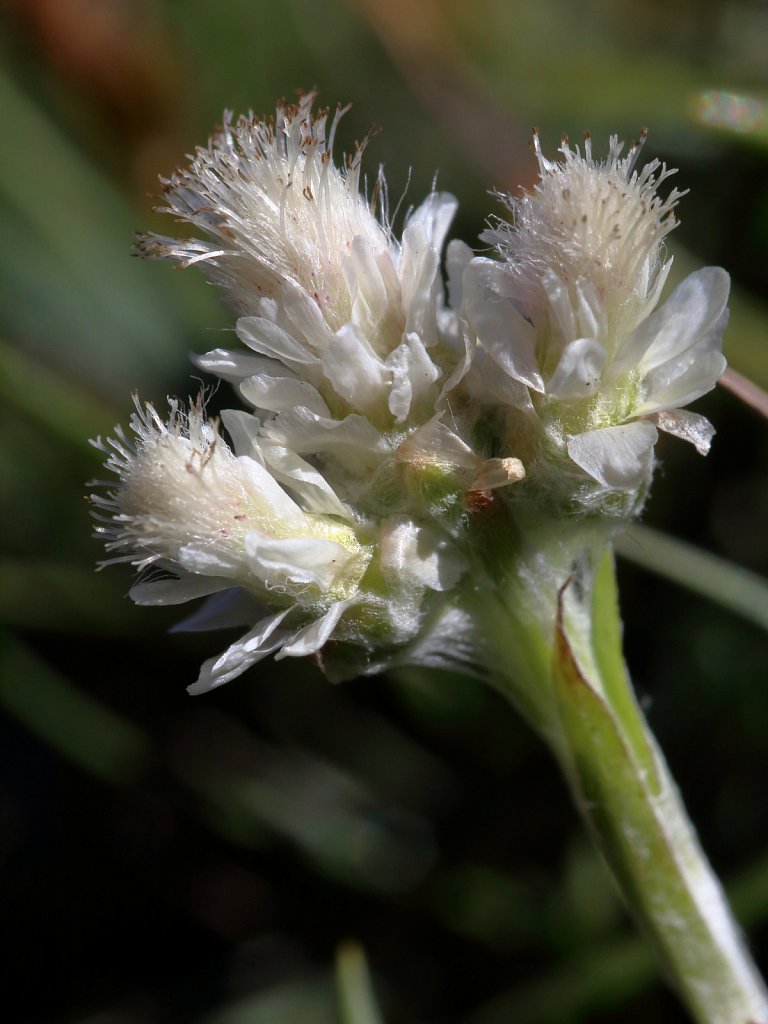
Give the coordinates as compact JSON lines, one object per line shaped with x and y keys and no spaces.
{"x":569,"y":679}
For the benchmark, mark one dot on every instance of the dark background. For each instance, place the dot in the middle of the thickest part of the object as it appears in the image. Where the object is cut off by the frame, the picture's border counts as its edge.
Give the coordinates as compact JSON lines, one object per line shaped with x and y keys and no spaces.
{"x":168,"y":859}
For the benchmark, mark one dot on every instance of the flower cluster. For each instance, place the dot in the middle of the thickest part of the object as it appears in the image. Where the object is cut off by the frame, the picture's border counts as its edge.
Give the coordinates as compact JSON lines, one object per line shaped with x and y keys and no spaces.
{"x":388,"y":423}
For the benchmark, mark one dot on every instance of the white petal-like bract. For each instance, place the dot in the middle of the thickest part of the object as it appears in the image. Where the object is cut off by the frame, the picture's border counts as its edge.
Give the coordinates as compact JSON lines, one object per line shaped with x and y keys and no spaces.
{"x":617,"y":457}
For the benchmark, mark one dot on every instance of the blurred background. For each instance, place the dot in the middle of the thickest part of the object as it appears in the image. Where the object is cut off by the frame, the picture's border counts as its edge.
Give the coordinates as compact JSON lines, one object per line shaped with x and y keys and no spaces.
{"x":222,"y":859}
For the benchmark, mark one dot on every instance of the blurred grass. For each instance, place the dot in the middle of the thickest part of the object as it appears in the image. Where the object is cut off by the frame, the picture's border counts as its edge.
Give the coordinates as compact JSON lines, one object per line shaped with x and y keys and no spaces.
{"x":88,"y":733}
{"x":415,"y":814}
{"x":724,"y":583}
{"x":310,"y":1001}
{"x":357,"y":1001}
{"x":92,"y":312}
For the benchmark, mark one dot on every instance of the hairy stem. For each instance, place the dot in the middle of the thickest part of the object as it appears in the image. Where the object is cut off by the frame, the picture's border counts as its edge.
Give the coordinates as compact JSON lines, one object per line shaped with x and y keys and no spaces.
{"x":580,"y":699}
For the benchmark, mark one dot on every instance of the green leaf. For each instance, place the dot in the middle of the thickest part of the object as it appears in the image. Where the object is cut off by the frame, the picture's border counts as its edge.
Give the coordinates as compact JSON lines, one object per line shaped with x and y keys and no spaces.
{"x":606,"y":639}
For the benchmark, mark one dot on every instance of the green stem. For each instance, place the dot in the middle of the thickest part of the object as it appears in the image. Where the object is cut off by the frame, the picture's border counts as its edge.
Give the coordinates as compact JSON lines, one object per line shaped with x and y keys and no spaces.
{"x":580,"y":699}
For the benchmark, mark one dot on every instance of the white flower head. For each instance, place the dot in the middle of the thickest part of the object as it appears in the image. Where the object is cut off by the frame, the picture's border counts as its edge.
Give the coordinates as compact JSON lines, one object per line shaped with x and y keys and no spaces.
{"x":276,"y":207}
{"x":595,"y":223}
{"x":590,"y":370}
{"x":187,"y":502}
{"x":318,"y":279}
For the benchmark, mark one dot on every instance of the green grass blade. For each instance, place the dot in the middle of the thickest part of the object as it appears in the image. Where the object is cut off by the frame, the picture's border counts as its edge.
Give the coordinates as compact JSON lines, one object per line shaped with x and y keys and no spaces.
{"x":732,"y":587}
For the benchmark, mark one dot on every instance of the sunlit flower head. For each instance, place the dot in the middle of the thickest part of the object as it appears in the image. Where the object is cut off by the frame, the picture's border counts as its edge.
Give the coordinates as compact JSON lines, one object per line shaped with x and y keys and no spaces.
{"x":277,"y":209}
{"x":315,"y":273}
{"x":568,"y":316}
{"x":600,"y":223}
{"x":185,"y":500}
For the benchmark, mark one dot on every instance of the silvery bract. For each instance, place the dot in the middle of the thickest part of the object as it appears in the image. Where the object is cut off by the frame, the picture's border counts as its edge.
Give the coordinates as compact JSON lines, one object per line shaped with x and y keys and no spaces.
{"x":389,"y":427}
